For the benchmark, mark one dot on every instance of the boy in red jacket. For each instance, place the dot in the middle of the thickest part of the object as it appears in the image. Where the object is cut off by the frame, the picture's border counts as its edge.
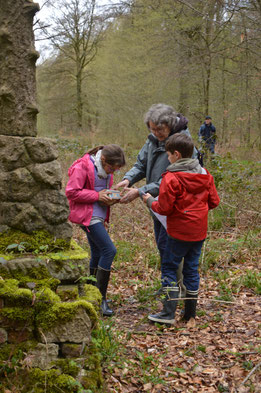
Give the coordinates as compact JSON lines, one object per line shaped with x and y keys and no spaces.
{"x":186,"y":194}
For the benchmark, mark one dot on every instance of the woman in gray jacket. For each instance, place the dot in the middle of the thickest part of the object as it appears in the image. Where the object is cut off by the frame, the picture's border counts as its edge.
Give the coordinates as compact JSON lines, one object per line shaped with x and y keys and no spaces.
{"x":152,"y":161}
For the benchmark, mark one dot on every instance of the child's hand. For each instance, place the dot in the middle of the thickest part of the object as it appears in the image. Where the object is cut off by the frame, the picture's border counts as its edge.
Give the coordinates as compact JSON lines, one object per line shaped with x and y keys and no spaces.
{"x":104,"y":198}
{"x":145,"y":197}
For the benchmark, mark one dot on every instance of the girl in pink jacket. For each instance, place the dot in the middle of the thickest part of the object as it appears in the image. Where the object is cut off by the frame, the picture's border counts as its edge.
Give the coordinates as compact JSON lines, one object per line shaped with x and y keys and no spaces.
{"x":90,"y":177}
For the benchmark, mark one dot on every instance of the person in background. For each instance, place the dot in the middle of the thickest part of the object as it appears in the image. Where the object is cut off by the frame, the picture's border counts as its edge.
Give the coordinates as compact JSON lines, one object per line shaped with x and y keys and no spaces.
{"x":207,"y":135}
{"x":162,"y":122}
{"x":90,"y":177}
{"x":186,"y":194}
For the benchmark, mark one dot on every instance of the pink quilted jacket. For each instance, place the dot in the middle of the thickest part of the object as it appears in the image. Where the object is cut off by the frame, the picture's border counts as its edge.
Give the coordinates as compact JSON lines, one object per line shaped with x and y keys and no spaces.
{"x":80,"y":191}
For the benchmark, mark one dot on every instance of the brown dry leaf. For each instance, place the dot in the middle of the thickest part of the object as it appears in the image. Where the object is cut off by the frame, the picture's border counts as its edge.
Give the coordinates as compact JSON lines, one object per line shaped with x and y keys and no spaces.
{"x":209,"y":371}
{"x":147,"y":387}
{"x":191,"y":323}
{"x":237,"y":372}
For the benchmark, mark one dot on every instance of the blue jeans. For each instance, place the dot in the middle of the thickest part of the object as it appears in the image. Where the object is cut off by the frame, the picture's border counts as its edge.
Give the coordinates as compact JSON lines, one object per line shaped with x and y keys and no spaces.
{"x":103,"y":250}
{"x":175,"y":251}
{"x":161,"y":237}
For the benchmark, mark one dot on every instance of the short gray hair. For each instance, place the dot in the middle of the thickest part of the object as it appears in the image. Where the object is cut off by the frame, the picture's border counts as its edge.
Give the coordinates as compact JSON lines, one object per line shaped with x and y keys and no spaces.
{"x":161,"y":114}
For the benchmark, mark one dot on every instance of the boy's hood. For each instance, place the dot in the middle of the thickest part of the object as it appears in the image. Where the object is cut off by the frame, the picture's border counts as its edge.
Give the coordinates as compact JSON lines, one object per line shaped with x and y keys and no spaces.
{"x":190,"y":165}
{"x":191,"y":175}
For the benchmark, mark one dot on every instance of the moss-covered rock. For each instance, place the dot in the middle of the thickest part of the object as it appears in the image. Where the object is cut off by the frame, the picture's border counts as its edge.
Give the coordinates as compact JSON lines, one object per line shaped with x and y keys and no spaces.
{"x":67,"y":265}
{"x":60,"y":313}
{"x":93,"y":296}
{"x":68,"y":292}
{"x":34,"y":242}
{"x":14,"y":296}
{"x":16,"y":317}
{"x":68,"y":366}
{"x":52,"y":381}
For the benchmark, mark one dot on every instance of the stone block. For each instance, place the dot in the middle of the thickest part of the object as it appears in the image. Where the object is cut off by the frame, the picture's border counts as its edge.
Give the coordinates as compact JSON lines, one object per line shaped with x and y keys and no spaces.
{"x":29,"y":220}
{"x":76,"y":331}
{"x":17,"y":336}
{"x":13,"y":154}
{"x":69,"y":269}
{"x":48,"y":173}
{"x":21,"y":185}
{"x":72,"y":350}
{"x":41,"y":149}
{"x":62,"y":231}
{"x":53,"y":206}
{"x":16,"y":318}
{"x":43,"y":355}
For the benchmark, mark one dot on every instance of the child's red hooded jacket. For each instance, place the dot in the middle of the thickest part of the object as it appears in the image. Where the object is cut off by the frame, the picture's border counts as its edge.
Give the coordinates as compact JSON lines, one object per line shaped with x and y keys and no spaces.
{"x":187,"y":192}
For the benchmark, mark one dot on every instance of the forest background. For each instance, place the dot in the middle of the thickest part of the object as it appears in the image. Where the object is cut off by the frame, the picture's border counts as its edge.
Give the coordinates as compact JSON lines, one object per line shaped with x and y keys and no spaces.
{"x":106,"y":64}
{"x":111,"y":62}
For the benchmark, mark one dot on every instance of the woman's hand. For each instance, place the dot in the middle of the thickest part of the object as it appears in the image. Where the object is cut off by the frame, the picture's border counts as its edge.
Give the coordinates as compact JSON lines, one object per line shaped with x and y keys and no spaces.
{"x":124,"y":183}
{"x":132,"y":194}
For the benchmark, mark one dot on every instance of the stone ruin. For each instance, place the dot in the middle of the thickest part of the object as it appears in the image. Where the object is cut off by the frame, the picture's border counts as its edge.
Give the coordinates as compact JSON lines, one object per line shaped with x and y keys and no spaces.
{"x":30,"y":175}
{"x":43,"y":315}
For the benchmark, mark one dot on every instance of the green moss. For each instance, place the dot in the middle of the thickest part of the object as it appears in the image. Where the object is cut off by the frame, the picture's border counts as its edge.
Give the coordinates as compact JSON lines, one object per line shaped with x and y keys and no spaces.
{"x":33,"y":241}
{"x":52,"y":381}
{"x":63,"y":312}
{"x":46,"y":296}
{"x":6,"y":257}
{"x":9,"y":351}
{"x":68,"y":292}
{"x":5,"y":351}
{"x":68,"y":366}
{"x":19,"y":314}
{"x":75,"y":252}
{"x":38,"y":272}
{"x":13,"y":295}
{"x":92,"y":295}
{"x":51,"y":283}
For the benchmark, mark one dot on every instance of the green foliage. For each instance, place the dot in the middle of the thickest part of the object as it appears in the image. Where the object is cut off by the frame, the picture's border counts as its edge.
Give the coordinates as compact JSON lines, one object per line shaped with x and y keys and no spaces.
{"x":106,"y":341}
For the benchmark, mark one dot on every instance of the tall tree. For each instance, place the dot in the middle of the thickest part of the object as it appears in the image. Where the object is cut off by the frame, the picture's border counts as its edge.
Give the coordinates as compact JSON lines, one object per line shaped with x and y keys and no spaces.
{"x":75,"y":32}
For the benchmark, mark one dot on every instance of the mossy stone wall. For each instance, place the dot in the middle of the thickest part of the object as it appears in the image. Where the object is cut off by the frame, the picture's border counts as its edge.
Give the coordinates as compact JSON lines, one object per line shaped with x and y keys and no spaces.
{"x":47,"y":316}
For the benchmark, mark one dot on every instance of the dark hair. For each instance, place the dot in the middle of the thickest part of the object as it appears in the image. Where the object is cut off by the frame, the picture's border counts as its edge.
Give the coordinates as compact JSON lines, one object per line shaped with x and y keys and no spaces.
{"x":113,"y":154}
{"x":207,"y":117}
{"x":182,"y":143}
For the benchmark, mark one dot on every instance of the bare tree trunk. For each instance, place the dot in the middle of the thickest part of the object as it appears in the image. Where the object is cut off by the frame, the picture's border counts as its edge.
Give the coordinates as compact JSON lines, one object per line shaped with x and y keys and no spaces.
{"x":18,"y":108}
{"x":183,"y":91}
{"x":79,"y":103}
{"x":224,"y":105}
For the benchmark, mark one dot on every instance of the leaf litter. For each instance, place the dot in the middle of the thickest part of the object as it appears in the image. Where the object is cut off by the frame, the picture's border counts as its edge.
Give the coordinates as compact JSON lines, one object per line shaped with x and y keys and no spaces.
{"x":213,"y":353}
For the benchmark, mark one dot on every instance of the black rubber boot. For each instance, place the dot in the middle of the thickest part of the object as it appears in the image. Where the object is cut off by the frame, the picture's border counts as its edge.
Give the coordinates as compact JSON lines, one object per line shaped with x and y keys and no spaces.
{"x":167,"y":315}
{"x":190,"y":305}
{"x":103,"y":277}
{"x":93,"y":272}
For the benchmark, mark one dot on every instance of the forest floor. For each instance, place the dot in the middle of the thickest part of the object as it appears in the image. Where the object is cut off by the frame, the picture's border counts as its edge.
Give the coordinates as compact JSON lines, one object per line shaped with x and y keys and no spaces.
{"x":220,"y":351}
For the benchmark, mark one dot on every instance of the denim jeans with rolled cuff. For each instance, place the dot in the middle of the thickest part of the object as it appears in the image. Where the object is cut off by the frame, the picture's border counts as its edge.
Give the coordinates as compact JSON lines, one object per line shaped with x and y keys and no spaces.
{"x":102,"y":248}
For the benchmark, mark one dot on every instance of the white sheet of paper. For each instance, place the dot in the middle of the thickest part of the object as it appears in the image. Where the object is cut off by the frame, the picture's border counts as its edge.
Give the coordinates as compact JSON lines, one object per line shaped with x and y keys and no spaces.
{"x":162,"y":219}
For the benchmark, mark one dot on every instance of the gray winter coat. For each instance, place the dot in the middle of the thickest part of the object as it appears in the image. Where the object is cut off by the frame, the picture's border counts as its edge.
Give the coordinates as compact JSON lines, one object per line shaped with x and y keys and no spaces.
{"x":151,"y":162}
